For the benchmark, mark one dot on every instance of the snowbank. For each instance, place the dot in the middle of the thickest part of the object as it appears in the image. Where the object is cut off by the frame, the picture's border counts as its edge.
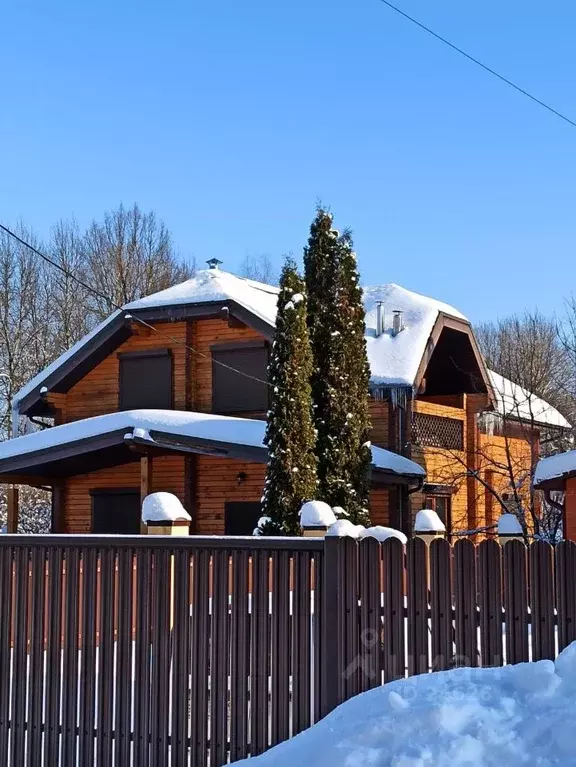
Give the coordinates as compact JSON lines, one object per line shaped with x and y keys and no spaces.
{"x":427,"y":521}
{"x":508,"y":525}
{"x":517,"y":715}
{"x":163,"y":507}
{"x":383,"y":533}
{"x":316,"y":514}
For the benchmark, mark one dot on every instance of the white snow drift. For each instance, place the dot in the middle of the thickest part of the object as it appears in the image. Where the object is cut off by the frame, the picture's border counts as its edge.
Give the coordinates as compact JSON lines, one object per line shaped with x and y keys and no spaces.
{"x":163,"y":507}
{"x":512,"y":716}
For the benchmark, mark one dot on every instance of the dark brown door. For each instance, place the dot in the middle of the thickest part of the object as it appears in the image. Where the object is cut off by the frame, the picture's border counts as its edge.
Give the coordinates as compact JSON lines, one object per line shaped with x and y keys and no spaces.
{"x":241,"y":517}
{"x":116,"y":513}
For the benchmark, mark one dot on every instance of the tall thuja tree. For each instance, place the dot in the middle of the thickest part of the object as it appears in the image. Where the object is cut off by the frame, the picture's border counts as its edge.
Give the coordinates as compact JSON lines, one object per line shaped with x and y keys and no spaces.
{"x":340,"y":376}
{"x":290,"y":434}
{"x":357,"y":374}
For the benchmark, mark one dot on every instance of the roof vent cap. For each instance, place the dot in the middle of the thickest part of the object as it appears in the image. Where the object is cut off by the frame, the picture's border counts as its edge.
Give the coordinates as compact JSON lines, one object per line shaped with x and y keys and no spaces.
{"x":214,"y":263}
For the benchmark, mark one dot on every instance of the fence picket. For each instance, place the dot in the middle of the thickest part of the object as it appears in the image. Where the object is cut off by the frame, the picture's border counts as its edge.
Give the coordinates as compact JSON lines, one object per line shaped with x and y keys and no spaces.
{"x":466,"y":620}
{"x":70,"y":676}
{"x":181,"y":698}
{"x":240,"y":647}
{"x":143,"y":565}
{"x":20,"y":642}
{"x":260,"y":653}
{"x":123,"y":670}
{"x":160,"y":650}
{"x":566,"y":593}
{"x":36,"y":674}
{"x":105,"y":676}
{"x":490,"y":602}
{"x":53,"y":658}
{"x":280,"y":660}
{"x":219,"y":659}
{"x":370,"y":589}
{"x":301,"y":638}
{"x":88,"y":656}
{"x":441,"y":605}
{"x":416,"y":566}
{"x":542,"y":601}
{"x":515,"y":602}
{"x":394,"y":653}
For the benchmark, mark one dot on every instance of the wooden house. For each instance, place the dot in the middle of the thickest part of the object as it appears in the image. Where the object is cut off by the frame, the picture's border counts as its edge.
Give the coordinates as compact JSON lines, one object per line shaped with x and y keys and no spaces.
{"x":170,"y":394}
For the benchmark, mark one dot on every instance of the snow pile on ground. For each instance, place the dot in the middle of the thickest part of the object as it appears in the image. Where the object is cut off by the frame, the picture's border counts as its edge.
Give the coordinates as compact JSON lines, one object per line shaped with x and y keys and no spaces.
{"x":508,"y":525}
{"x":316,"y":514}
{"x":163,"y":507}
{"x":512,"y":716}
{"x":427,"y":521}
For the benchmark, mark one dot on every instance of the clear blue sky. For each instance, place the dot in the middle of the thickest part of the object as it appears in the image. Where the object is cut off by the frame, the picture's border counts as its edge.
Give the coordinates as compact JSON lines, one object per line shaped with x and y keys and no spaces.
{"x":231,"y":118}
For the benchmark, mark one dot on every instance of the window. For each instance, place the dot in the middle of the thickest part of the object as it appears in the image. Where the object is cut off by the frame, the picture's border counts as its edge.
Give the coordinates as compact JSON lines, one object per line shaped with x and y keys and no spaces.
{"x":436,"y":431}
{"x":241,"y":517}
{"x":116,"y":512}
{"x":441,"y":503}
{"x":145,"y":380}
{"x":233,"y":392}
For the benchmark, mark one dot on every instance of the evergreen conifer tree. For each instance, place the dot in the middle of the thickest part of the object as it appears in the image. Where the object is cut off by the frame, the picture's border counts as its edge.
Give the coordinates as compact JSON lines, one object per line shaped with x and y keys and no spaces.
{"x":290,"y":434}
{"x":340,"y":376}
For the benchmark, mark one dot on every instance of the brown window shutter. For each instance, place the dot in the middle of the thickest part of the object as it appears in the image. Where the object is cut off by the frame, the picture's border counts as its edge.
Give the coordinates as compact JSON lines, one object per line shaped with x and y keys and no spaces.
{"x":233,"y":392}
{"x":146,"y":381}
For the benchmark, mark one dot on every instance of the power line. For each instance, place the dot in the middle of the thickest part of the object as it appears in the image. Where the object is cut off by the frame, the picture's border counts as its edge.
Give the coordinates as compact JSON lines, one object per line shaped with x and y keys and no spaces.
{"x":479,"y":63}
{"x":106,"y":298}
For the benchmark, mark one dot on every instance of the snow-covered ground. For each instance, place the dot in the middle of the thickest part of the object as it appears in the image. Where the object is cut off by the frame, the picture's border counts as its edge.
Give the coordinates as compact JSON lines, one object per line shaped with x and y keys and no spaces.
{"x":516,"y":715}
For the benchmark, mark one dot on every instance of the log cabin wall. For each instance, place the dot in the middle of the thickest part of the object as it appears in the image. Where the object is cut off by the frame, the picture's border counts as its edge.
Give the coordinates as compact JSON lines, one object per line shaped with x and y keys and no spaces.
{"x":97,"y":393}
{"x":168,"y":474}
{"x":203,"y":334}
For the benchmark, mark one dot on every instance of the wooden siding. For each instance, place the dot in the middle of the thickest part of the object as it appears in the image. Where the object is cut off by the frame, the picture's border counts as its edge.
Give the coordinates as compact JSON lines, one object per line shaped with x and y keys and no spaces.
{"x":380,"y":506}
{"x":167,"y":474}
{"x":97,"y":392}
{"x":216,"y":484}
{"x":570,"y":510}
{"x":203,"y":334}
{"x":379,"y":413}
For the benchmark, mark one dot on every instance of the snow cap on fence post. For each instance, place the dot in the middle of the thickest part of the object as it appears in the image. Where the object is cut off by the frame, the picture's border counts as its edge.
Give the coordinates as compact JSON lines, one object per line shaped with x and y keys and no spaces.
{"x":428,"y":526}
{"x":163,"y":514}
{"x":315,"y":518}
{"x":509,"y":529}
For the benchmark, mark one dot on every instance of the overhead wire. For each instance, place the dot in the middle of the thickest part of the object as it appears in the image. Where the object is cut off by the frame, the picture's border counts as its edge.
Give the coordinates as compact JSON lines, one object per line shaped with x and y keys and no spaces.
{"x":479,"y":63}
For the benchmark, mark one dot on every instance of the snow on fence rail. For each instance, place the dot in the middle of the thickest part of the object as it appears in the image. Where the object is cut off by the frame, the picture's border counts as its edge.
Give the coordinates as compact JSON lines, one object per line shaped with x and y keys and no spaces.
{"x":199,"y":651}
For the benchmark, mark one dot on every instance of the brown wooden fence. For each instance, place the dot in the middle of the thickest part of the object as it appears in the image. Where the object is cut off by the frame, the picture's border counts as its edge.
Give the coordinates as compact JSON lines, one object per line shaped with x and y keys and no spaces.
{"x":198,"y":651}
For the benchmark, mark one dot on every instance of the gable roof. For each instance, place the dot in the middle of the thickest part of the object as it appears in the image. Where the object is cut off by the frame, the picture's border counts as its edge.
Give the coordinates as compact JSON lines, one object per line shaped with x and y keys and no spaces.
{"x":513,"y":401}
{"x":394,"y":360}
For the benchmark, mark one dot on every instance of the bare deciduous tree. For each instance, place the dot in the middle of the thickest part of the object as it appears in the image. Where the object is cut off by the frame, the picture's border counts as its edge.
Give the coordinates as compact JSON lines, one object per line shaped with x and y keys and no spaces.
{"x":260,"y":268}
{"x":129,"y":254}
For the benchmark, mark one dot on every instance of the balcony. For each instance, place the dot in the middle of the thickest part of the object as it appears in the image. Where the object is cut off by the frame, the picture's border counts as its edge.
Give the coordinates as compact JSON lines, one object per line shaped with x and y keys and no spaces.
{"x":437,"y":431}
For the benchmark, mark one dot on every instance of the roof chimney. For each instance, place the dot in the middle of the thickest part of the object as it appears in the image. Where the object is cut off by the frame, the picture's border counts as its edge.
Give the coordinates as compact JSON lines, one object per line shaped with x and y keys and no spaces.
{"x":214,"y":263}
{"x":397,"y":322}
{"x":379,"y":318}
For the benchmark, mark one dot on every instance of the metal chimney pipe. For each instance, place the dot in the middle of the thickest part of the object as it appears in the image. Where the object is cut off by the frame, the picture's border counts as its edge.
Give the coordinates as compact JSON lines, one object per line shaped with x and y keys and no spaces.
{"x":379,"y":318}
{"x":397,"y":322}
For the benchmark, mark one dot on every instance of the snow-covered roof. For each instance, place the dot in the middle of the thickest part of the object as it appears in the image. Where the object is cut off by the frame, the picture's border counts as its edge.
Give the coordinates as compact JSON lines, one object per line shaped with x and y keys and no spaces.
{"x":555,"y":466}
{"x":512,"y":401}
{"x":215,"y":285}
{"x":394,"y":359}
{"x":208,"y":285}
{"x":139,"y":424}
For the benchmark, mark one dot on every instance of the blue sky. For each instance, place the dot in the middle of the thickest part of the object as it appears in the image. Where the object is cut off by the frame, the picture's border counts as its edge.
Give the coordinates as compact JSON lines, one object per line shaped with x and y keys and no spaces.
{"x":230,"y":119}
